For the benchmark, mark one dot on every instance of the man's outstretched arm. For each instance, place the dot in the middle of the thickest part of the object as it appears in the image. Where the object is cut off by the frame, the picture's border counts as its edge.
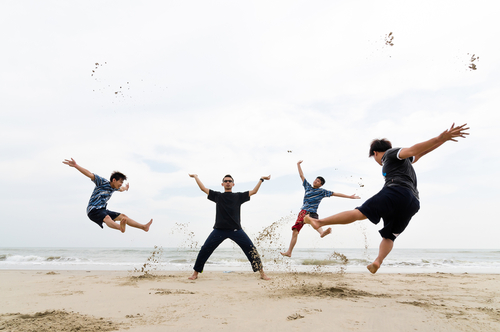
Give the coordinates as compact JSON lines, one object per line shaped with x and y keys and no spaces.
{"x":421,"y":149}
{"x":72,"y":163}
{"x":254,"y":190}
{"x":200,"y":184}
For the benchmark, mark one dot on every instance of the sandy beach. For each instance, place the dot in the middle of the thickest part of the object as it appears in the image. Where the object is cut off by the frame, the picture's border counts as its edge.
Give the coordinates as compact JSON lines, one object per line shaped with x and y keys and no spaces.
{"x":218,"y":301}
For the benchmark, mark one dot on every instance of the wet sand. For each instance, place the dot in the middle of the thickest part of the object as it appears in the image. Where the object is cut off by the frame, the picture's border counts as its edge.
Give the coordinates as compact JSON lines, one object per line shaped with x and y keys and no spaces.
{"x":217,"y":301}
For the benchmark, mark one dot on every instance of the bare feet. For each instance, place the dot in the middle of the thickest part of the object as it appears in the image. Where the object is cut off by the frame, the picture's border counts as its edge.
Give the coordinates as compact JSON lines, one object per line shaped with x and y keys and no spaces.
{"x":146,"y":227}
{"x":326,"y":232}
{"x":263,"y":276}
{"x":286,"y":254}
{"x":312,"y":222}
{"x":123,"y":224}
{"x":194,"y":276}
{"x":373,"y":267}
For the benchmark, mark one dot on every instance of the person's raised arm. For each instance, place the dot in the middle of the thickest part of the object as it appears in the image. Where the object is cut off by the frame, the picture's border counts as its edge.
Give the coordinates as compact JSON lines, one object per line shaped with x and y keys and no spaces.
{"x":254,"y":190}
{"x":200,"y":184}
{"x":72,"y":163}
{"x":300,"y":171}
{"x":346,"y":196}
{"x":421,"y":149}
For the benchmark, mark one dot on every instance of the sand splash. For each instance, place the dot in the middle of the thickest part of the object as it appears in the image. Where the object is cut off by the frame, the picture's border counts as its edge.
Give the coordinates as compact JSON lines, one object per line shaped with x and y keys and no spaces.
{"x":151,"y":264}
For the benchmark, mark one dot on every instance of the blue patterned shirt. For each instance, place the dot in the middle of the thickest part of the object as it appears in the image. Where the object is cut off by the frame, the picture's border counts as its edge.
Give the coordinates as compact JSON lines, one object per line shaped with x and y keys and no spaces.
{"x":313,"y":197}
{"x":101,"y":194}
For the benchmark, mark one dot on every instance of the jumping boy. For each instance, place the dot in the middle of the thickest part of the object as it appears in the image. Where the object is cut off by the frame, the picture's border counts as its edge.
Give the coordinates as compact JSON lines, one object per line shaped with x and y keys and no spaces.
{"x":228,"y":224}
{"x":312,"y":197}
{"x":398,"y":200}
{"x":96,"y":209}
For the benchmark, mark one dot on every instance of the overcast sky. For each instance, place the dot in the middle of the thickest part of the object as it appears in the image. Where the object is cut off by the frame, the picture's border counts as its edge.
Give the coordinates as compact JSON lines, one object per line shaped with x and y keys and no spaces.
{"x":160,"y":89}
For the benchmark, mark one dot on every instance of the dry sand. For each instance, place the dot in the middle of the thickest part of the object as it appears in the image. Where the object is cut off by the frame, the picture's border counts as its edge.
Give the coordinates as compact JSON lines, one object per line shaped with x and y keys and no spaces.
{"x":122,"y":301}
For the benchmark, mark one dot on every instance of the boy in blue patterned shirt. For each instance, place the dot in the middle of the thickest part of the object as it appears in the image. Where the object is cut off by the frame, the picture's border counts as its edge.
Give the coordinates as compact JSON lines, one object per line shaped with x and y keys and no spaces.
{"x":312,"y":197}
{"x":96,"y":209}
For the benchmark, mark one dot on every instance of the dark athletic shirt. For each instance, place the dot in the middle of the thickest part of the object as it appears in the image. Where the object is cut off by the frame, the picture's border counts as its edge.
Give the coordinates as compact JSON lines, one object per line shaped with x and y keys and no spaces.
{"x":227,"y":211}
{"x":399,"y":172}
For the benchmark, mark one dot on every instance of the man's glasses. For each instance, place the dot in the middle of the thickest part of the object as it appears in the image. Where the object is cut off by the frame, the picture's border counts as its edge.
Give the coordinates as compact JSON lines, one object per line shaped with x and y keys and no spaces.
{"x":228,"y":181}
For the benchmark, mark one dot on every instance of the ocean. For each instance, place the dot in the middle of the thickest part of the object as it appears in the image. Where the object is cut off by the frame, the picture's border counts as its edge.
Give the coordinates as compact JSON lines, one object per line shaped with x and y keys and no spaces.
{"x":233,"y":259}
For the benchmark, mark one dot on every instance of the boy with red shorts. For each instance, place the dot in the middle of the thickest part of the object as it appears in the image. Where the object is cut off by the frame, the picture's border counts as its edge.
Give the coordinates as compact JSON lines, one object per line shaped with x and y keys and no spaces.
{"x":312,"y":197}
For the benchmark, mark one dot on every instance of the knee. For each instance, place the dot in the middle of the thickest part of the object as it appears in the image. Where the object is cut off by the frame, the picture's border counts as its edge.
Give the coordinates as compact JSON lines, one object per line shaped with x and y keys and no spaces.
{"x":358,"y":215}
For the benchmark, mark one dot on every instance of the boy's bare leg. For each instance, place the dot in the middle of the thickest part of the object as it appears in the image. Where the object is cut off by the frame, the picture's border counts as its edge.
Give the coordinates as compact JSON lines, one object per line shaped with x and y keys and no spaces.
{"x":323,"y":233}
{"x":111,"y":224}
{"x":342,"y":218}
{"x":123,"y":224}
{"x":194,"y":276}
{"x":293,"y":241}
{"x":132,"y":223}
{"x":384,"y":250}
{"x":263,"y":275}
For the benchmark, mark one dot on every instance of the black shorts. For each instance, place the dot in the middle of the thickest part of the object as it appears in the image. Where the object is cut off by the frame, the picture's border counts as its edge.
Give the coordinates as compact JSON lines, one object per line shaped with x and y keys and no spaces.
{"x":396,"y":205}
{"x":98,"y":215}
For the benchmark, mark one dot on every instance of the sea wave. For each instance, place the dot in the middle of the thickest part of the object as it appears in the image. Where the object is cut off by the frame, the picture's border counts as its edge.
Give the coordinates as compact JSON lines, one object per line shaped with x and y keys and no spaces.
{"x":407,"y":260}
{"x":35,"y":258}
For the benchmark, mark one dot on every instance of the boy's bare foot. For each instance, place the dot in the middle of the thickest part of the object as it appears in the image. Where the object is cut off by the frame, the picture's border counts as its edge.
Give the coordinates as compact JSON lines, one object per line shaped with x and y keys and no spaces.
{"x":194,"y":276}
{"x":326,"y":232}
{"x":123,"y":224}
{"x":263,"y":276}
{"x":312,"y":222}
{"x":146,"y":227}
{"x":373,"y":267}
{"x":286,"y":254}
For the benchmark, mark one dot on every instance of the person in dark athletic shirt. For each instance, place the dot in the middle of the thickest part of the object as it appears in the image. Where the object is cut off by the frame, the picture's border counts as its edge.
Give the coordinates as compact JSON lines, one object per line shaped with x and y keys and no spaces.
{"x":228,"y":224}
{"x":398,"y":200}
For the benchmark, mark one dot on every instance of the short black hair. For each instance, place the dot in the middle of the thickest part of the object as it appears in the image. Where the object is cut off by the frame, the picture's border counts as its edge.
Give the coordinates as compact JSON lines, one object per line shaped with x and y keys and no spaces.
{"x":227,"y":176}
{"x":322,"y":179}
{"x":117,"y":176}
{"x":379,"y":145}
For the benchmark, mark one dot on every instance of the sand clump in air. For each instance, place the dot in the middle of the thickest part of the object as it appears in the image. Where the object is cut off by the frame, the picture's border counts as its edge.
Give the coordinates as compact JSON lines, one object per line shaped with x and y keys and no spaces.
{"x":472,"y":65}
{"x":389,"y":39}
{"x":97,"y":75}
{"x":97,"y":65}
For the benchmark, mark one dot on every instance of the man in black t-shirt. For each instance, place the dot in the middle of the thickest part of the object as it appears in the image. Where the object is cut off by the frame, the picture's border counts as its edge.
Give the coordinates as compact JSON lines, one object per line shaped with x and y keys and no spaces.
{"x":398,"y":200}
{"x":228,"y":224}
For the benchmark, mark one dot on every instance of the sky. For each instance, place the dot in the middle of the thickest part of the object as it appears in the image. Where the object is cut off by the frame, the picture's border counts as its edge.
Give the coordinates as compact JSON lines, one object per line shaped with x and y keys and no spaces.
{"x":161,"y":89}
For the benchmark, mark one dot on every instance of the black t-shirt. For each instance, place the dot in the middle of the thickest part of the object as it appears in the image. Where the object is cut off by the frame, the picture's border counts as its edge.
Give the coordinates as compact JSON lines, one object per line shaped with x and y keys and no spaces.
{"x":227,"y":212}
{"x":399,"y":172}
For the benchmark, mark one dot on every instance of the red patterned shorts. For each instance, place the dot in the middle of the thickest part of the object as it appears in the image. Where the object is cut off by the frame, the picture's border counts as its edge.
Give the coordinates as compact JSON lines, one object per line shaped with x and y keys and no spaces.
{"x":300,"y":219}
